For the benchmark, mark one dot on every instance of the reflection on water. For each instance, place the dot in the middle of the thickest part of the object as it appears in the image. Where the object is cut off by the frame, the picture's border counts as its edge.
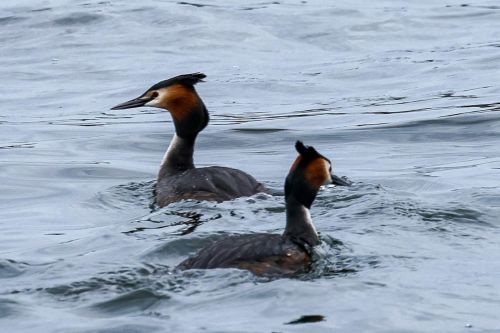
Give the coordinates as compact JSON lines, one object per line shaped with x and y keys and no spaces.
{"x":403,"y":97}
{"x":189,"y":224}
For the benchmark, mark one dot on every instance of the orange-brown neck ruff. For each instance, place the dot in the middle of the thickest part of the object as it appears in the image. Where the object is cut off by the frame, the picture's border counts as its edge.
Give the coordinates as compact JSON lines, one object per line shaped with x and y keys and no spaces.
{"x":180,"y":100}
{"x":316,"y":172}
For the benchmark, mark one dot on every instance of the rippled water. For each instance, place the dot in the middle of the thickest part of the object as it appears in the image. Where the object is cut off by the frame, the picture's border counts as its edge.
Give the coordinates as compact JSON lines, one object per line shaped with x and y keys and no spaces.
{"x":402,"y":96}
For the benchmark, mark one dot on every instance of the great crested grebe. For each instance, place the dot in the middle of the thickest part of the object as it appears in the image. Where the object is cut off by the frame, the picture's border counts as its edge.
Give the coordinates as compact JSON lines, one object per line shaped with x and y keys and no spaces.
{"x":273,"y":254}
{"x":178,"y":178}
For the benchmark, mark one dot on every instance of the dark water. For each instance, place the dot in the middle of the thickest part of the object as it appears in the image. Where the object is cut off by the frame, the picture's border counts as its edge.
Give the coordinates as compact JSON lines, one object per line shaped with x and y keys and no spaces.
{"x":404,"y":98}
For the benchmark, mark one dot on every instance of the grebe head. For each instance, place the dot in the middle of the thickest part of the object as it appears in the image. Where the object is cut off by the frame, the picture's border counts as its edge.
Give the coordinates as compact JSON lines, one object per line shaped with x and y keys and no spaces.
{"x":308,"y":173}
{"x":178,"y":96}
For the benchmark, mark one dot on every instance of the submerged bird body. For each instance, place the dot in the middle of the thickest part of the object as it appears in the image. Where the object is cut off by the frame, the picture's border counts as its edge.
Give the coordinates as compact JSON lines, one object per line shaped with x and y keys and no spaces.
{"x":178,"y":177}
{"x":262,"y":254}
{"x":273,"y":254}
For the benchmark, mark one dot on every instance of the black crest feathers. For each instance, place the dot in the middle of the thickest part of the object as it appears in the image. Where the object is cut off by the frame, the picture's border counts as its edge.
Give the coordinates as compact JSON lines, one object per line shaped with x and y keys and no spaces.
{"x":185,"y":79}
{"x":306,"y":151}
{"x":192,"y":78}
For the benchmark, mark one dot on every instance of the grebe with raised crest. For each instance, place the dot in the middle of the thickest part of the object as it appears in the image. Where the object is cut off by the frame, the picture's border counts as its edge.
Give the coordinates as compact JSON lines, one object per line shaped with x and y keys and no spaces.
{"x":273,"y":254}
{"x":178,"y":177}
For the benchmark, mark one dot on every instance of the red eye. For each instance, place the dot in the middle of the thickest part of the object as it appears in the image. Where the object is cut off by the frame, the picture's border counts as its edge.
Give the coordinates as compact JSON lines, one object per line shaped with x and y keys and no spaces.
{"x":154,"y":95}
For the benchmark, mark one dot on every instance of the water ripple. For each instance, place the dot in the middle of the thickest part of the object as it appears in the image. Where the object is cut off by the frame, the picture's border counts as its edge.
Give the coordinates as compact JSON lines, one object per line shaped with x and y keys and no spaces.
{"x":132,"y":302}
{"x":78,"y":19}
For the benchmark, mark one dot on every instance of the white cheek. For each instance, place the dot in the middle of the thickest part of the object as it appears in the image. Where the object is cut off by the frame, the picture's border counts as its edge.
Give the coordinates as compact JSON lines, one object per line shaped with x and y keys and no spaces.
{"x":154,"y":103}
{"x":328,"y":181}
{"x":329,"y":178}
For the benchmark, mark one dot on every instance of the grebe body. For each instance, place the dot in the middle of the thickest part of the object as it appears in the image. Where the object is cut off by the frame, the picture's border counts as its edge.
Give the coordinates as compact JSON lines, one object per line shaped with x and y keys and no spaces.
{"x":262,"y":254}
{"x":210,"y":183}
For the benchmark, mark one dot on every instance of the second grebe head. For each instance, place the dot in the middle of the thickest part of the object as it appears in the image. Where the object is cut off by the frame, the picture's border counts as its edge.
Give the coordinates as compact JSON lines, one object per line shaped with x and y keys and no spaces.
{"x":308,"y":173}
{"x":178,"y":96}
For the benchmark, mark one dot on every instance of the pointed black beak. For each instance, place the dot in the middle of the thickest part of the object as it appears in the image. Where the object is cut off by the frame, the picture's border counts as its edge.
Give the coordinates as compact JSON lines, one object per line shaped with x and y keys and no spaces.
{"x":133,"y":103}
{"x":336,"y":180}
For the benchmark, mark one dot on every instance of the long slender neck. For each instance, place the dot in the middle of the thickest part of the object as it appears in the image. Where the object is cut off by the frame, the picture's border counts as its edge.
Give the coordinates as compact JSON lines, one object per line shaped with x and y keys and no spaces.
{"x":190,"y":117}
{"x":179,"y":156}
{"x":299,"y":225}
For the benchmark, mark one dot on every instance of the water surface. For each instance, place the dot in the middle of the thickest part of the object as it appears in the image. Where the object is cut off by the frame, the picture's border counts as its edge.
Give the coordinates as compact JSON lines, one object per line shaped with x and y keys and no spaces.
{"x":403,"y":97}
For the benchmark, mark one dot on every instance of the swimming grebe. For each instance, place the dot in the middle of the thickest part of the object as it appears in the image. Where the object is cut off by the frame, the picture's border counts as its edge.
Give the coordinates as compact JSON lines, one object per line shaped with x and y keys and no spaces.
{"x":178,"y":178}
{"x":272,"y":254}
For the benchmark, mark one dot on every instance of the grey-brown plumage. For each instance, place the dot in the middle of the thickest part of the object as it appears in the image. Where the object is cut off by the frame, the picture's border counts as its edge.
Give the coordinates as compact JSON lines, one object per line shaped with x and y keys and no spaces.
{"x":210,"y":183}
{"x":178,"y":177}
{"x":262,"y":254}
{"x":272,"y":254}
